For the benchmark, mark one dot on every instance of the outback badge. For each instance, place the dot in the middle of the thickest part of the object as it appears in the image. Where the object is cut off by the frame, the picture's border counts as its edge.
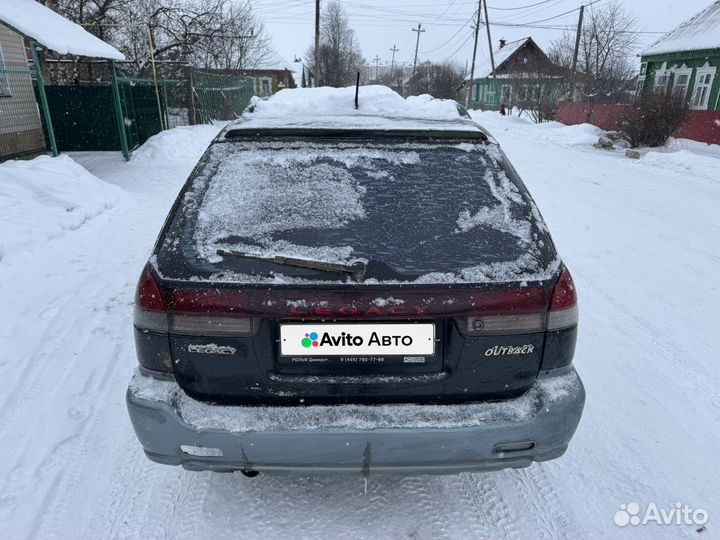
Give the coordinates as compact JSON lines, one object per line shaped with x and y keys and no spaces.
{"x":508,"y":350}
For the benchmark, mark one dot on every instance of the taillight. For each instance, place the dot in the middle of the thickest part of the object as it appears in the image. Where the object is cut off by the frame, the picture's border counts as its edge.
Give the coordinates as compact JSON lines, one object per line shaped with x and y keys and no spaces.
{"x":489,"y":325}
{"x":528,"y":315}
{"x":152,"y":342}
{"x":202,"y":324}
{"x":212,"y":312}
{"x":563,"y":311}
{"x":149,"y":305}
{"x":513,"y":311}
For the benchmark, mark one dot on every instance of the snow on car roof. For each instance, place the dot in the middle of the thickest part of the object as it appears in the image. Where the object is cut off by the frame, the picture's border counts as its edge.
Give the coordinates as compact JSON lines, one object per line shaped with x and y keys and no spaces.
{"x":379,"y":108}
{"x":698,"y":33}
{"x":54,"y":31}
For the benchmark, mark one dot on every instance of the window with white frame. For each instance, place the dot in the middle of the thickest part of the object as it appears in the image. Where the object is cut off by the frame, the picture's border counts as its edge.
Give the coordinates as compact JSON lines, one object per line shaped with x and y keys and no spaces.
{"x":507,"y":93}
{"x":641,"y":78}
{"x":640,"y":85}
{"x":681,"y":80}
{"x":662,"y":78}
{"x":479,"y":91}
{"x":265,"y":86}
{"x":703,"y":84}
{"x":4,"y":80}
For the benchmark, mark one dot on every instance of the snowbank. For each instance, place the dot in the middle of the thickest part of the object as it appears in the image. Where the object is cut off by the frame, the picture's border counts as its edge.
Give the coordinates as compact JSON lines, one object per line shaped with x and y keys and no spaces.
{"x":690,"y":165}
{"x":577,"y":135}
{"x":43,"y":198}
{"x":374,"y":100}
{"x":54,"y":31}
{"x":180,"y":143}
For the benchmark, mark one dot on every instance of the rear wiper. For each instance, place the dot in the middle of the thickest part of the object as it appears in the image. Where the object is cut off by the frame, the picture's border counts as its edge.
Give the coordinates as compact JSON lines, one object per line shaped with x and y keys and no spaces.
{"x":355,"y":270}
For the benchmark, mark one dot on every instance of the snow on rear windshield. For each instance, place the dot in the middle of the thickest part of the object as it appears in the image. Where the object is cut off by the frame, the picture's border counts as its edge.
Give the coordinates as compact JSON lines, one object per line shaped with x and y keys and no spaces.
{"x":431,"y":213}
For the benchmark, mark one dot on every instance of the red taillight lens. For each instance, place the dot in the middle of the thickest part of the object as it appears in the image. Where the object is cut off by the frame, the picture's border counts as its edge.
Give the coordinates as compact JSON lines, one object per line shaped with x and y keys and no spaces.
{"x":213,"y":312}
{"x":149,"y":305}
{"x":563,"y":304}
{"x":147,"y":294}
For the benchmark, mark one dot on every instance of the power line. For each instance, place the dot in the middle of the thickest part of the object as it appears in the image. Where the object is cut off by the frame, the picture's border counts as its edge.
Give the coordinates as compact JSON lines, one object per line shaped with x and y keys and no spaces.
{"x":521,"y":7}
{"x":452,"y":37}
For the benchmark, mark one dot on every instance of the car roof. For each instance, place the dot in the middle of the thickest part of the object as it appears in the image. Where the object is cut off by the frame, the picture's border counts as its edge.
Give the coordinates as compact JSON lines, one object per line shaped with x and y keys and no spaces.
{"x":332,"y":111}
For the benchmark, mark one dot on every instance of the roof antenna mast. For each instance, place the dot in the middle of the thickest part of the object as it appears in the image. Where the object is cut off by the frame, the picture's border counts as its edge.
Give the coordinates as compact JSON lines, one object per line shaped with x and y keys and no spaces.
{"x":357,"y":90}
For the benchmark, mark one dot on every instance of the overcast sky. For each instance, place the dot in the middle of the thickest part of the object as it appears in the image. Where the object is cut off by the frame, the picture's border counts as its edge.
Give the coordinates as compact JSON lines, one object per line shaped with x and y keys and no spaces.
{"x":381,"y":24}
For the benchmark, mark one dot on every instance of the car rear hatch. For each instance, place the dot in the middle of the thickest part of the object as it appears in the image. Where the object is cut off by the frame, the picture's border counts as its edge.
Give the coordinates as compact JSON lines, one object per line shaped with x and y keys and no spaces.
{"x":452,"y":304}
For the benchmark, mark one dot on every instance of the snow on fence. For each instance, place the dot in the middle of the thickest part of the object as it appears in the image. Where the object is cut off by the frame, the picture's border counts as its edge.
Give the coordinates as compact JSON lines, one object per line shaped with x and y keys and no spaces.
{"x":703,"y":126}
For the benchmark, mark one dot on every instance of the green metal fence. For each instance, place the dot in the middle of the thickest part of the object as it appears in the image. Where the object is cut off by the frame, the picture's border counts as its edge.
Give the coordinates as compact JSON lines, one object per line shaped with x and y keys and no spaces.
{"x":219,"y":97}
{"x":139,"y":110}
{"x":21,"y":129}
{"x":123,"y":115}
{"x":145,"y":107}
{"x":82,"y":118}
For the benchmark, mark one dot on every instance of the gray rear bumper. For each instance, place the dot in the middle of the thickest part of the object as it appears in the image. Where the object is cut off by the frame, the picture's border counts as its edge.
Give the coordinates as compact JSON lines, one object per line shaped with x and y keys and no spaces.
{"x":356,"y":438}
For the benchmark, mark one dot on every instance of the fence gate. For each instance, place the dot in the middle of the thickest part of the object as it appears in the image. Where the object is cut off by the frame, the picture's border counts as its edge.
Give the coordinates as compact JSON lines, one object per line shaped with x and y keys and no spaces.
{"x":140,"y":109}
{"x":219,"y":97}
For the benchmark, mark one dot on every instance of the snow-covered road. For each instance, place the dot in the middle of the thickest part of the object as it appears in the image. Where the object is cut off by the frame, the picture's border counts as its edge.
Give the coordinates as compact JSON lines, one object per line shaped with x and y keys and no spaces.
{"x":641,"y":238}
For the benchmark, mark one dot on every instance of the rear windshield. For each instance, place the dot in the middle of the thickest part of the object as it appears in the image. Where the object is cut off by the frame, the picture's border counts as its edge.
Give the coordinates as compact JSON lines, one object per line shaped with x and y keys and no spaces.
{"x":422,"y":211}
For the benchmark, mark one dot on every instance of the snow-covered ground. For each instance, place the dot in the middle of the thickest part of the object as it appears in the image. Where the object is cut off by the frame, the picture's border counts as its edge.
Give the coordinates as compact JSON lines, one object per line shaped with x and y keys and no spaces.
{"x":641,"y":238}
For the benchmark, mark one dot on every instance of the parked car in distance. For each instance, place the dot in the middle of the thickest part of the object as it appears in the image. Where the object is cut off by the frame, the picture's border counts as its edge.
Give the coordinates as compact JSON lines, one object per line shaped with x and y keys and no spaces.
{"x":363,"y":290}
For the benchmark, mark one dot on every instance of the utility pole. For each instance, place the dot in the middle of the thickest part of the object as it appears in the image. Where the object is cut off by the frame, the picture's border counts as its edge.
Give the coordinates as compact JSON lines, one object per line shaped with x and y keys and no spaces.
{"x":377,"y":61}
{"x":492,"y":56}
{"x":472,"y":66}
{"x":392,"y":63}
{"x":419,"y":30}
{"x":317,"y":43}
{"x":575,"y":54}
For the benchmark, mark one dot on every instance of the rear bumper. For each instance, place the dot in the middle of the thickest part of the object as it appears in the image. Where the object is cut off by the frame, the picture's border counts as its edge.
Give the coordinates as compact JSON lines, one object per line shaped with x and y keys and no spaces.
{"x":173,"y":429}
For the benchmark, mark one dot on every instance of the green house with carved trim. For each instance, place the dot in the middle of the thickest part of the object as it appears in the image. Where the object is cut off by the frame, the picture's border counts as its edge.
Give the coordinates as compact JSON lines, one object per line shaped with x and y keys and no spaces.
{"x":687,"y":60}
{"x":523,"y":73}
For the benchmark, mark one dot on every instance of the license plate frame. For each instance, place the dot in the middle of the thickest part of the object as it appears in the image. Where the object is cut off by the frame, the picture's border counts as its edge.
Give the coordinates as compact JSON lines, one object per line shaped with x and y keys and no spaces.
{"x":293,"y":339}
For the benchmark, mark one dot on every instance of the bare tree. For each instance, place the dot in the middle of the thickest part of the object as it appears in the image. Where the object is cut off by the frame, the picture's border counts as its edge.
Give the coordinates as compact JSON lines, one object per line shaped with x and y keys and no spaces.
{"x":653,"y":117}
{"x":202,"y":33}
{"x":340,"y":56}
{"x":438,"y":80}
{"x":607,"y":41}
{"x":536,"y":89}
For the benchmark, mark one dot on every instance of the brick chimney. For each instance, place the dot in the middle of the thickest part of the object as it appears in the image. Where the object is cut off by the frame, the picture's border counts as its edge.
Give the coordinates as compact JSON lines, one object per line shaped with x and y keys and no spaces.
{"x":502,"y":42}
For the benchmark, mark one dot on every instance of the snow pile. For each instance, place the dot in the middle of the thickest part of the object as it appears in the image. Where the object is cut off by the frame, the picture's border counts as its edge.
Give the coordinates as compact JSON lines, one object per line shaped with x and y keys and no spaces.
{"x":54,"y":31}
{"x":556,"y":132}
{"x":180,"y":143}
{"x":577,"y":135}
{"x":374,"y":100}
{"x":687,"y":164}
{"x":43,"y":198}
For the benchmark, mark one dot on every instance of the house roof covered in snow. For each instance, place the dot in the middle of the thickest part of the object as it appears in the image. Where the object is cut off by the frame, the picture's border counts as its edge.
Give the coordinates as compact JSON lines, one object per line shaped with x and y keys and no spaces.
{"x":274,"y":61}
{"x":501,"y":55}
{"x":380,"y":108}
{"x":698,"y":33}
{"x":53,"y":31}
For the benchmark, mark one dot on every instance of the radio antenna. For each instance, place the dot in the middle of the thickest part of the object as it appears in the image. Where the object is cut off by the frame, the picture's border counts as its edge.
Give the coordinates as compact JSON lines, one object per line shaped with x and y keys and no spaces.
{"x":357,"y":90}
